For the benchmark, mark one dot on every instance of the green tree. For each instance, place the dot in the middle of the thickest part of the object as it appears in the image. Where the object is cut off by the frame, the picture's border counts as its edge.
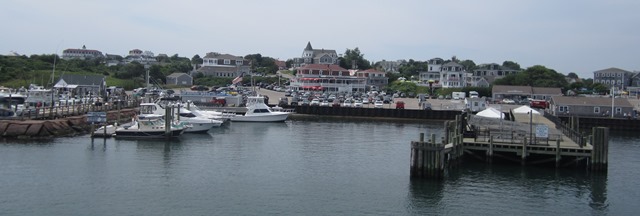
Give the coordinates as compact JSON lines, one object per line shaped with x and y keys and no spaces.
{"x":196,"y":60}
{"x":354,"y":56}
{"x":469,"y":65}
{"x":403,"y":86}
{"x":511,"y":65}
{"x":536,"y":76}
{"x":572,"y":75}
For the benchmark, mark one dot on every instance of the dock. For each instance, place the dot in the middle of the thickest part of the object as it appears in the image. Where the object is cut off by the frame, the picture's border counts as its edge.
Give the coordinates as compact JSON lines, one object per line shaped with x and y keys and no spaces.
{"x":524,"y":140}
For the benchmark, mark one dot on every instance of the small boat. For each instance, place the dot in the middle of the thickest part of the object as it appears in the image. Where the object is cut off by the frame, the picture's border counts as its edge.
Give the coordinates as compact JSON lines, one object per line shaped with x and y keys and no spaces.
{"x":149,"y":126}
{"x":212,"y":114}
{"x":258,"y":111}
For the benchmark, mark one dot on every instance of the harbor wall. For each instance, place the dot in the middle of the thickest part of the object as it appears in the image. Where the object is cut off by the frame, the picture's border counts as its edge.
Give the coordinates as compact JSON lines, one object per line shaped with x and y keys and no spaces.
{"x":372,"y":112}
{"x":68,"y":126}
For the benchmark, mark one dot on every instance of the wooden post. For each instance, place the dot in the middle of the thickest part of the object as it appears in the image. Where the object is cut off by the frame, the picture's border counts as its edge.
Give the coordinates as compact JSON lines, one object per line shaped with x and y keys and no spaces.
{"x":93,"y":128}
{"x":600,"y":142}
{"x":558,"y":153}
{"x":167,"y":121}
{"x":490,"y":152}
{"x":524,"y":151}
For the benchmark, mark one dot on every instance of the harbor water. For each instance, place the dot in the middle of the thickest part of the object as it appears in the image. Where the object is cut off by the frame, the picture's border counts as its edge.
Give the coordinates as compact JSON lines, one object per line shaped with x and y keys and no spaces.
{"x":299,"y":167}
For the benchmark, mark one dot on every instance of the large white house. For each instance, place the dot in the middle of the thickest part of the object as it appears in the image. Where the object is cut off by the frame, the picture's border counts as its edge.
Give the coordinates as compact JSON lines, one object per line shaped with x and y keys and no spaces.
{"x":327,"y":77}
{"x":444,"y":74}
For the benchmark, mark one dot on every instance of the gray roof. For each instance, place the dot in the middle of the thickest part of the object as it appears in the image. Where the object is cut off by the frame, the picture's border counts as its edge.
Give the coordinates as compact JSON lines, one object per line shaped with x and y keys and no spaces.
{"x":213,"y":69}
{"x":547,"y":91}
{"x":503,"y":89}
{"x":451,"y":63}
{"x":612,"y":70}
{"x":222,"y":56}
{"x":589,"y":101}
{"x":308,"y":46}
{"x":177,"y":74}
{"x":84,"y":80}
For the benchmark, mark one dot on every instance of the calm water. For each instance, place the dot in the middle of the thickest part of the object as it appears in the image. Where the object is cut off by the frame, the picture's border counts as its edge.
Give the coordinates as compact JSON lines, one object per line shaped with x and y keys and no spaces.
{"x":311,"y":167}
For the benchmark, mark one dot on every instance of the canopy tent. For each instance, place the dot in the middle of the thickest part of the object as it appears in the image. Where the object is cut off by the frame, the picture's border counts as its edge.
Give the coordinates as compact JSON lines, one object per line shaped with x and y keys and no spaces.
{"x":525,"y":109}
{"x":491,"y":112}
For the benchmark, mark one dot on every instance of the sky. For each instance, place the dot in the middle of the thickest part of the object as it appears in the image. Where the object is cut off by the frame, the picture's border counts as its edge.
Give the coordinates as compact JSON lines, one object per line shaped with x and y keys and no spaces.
{"x":580,"y":36}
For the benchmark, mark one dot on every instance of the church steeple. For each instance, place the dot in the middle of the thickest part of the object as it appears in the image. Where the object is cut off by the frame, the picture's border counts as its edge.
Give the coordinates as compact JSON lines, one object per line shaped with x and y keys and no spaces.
{"x":308,"y":46}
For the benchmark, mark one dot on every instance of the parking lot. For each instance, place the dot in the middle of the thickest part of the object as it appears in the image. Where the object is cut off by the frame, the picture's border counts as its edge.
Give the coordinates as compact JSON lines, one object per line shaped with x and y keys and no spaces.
{"x":410,"y":103}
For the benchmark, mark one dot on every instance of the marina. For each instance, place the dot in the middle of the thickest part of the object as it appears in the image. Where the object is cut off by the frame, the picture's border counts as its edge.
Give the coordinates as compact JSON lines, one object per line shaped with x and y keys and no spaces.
{"x":329,"y":166}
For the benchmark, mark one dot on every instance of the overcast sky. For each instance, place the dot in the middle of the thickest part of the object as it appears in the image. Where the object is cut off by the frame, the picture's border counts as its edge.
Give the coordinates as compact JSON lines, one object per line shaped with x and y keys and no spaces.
{"x":578,"y":36}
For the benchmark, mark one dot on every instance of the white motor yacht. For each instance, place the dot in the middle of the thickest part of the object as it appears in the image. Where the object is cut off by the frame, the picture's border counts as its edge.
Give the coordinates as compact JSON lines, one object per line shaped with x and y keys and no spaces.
{"x":258,"y":111}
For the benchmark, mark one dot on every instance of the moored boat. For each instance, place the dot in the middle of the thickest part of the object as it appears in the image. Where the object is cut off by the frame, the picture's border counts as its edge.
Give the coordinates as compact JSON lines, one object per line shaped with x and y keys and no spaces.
{"x":258,"y":111}
{"x":149,"y":126}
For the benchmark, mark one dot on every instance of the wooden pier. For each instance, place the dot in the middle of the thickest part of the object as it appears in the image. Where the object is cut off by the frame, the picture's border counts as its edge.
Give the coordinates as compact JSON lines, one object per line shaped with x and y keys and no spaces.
{"x":488,"y":140}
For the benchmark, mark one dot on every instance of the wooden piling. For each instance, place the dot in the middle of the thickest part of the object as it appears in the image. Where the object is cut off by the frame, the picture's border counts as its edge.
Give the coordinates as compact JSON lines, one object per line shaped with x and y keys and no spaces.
{"x":558,"y":157}
{"x":599,"y":155}
{"x":427,"y":158}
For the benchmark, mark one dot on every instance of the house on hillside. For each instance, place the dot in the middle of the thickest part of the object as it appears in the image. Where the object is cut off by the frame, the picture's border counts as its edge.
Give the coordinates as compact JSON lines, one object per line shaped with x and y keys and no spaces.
{"x":316,"y":56}
{"x":615,"y":77}
{"x":562,"y":106}
{"x":83,"y":53}
{"x":81,"y":85}
{"x":224,"y":65}
{"x":181,"y":79}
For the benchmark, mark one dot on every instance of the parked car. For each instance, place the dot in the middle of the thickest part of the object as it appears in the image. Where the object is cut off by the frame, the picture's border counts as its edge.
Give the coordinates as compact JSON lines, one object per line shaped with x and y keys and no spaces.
{"x":294,"y":101}
{"x":315,"y":102}
{"x":365,"y":100}
{"x":357,"y":103}
{"x":399,"y":104}
{"x":378,"y":104}
{"x":324,"y":103}
{"x":508,"y":101}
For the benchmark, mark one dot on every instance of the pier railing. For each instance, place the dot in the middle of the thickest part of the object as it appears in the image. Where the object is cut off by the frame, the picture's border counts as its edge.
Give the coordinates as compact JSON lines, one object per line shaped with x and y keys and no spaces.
{"x":568,"y":129}
{"x":70,"y":109}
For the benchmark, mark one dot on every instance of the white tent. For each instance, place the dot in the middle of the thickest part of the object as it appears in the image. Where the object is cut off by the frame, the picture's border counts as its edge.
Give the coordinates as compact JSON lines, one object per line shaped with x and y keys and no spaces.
{"x":491,"y":112}
{"x":525,"y":110}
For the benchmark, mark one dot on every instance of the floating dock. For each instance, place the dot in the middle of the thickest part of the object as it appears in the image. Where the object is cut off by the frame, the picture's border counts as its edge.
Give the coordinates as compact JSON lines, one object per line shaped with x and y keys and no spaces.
{"x":509,"y":141}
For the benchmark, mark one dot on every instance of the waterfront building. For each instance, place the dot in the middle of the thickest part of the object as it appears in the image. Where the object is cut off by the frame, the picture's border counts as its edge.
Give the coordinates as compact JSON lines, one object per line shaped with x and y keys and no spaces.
{"x":81,"y":85}
{"x":521,"y":93}
{"x":563,"y":106}
{"x":327,"y":77}
{"x":485,"y":74}
{"x":224,"y":65}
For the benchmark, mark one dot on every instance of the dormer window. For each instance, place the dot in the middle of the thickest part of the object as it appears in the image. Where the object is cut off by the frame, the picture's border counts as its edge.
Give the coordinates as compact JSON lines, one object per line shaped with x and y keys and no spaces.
{"x":227,"y":61}
{"x":239,"y":62}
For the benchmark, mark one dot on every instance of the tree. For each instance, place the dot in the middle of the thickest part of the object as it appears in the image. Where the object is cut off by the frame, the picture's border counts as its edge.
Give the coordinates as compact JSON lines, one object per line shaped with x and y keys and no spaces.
{"x":572,"y":75}
{"x":196,"y":60}
{"x":469,"y":65}
{"x":511,"y":65}
{"x":354,"y":56}
{"x":536,"y":76}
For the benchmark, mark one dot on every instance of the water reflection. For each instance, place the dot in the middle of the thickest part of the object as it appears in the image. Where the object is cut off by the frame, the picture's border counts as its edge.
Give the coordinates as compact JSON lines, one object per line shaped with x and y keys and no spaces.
{"x":484,"y":187}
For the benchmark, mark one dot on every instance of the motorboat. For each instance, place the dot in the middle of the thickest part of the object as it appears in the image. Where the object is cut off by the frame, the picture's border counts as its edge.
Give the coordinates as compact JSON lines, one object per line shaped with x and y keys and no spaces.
{"x":197,"y":124}
{"x":212,"y":114}
{"x":149,"y":126}
{"x":258,"y":111}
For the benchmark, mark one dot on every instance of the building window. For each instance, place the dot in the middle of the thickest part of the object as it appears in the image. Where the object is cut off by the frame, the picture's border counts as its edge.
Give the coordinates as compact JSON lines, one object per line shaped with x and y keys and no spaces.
{"x":596,"y":110}
{"x":227,"y":61}
{"x":563,"y":108}
{"x":618,"y":110}
{"x":239,"y":62}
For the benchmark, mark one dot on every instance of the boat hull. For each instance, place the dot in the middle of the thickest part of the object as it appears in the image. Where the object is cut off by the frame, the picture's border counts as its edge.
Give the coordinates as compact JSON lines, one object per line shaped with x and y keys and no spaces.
{"x":271,"y":117}
{"x":147,"y":134}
